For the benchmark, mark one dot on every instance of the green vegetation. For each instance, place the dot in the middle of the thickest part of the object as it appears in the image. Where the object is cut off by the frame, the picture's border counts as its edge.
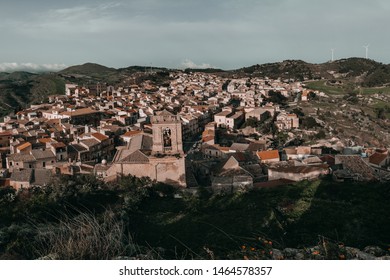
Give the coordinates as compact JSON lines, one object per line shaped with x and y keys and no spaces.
{"x":19,"y":89}
{"x":309,"y":122}
{"x":86,"y":219}
{"x":276,"y":97}
{"x":265,"y":118}
{"x":341,"y":90}
{"x":291,"y":69}
{"x":88,"y":69}
{"x":324,"y":87}
{"x":374,"y":90}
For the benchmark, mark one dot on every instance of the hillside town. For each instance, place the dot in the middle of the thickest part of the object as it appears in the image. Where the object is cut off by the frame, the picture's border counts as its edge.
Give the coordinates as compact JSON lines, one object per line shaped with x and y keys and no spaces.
{"x":197,"y":129}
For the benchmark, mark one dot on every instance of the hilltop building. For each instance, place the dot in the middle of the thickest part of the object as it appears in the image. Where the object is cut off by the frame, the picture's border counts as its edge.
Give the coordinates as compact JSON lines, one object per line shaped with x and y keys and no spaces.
{"x":159,"y":156}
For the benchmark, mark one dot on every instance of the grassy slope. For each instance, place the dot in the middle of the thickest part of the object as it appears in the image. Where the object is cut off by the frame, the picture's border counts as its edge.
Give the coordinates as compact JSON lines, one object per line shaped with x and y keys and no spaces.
{"x":322,"y":86}
{"x":292,"y":216}
{"x":18,"y":90}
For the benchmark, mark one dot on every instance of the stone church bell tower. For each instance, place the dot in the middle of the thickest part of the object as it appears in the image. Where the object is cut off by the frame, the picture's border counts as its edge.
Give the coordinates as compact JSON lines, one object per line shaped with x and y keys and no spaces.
{"x":167,"y":134}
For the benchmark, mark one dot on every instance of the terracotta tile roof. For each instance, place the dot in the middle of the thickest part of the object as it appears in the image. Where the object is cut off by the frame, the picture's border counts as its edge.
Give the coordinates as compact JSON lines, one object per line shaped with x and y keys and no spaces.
{"x":80,"y":112}
{"x":6,"y":133}
{"x":39,"y":154}
{"x":265,"y":155}
{"x":356,"y":165}
{"x":23,"y":146}
{"x":99,"y":136}
{"x":24,"y":175}
{"x":207,"y":138}
{"x":377,"y":158}
{"x":90,"y":142}
{"x":256,"y":146}
{"x":208,"y":132}
{"x":45,"y":140}
{"x":58,"y":145}
{"x":132,"y":133}
{"x":137,"y":157}
{"x":21,"y":157}
{"x":76,"y":148}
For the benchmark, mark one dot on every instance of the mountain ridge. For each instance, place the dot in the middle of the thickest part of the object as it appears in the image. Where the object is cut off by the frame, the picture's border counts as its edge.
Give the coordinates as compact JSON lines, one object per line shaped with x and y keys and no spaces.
{"x":21,"y":88}
{"x":365,"y":72}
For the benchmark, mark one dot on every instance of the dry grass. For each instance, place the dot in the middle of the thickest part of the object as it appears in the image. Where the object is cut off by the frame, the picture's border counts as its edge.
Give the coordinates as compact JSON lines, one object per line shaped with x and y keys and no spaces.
{"x":84,"y":237}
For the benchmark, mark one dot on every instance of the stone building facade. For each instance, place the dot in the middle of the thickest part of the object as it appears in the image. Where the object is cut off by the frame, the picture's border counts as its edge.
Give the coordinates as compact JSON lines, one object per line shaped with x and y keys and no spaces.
{"x":159,"y":156}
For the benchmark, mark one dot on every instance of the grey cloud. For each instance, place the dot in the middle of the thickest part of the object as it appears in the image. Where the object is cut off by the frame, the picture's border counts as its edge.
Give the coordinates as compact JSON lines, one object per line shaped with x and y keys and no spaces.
{"x":187,"y":63}
{"x":225,"y":34}
{"x":30,"y":67}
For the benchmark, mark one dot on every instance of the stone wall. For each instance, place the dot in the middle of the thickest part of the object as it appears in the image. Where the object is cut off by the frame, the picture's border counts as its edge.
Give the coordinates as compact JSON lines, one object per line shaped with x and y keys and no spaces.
{"x":169,"y":170}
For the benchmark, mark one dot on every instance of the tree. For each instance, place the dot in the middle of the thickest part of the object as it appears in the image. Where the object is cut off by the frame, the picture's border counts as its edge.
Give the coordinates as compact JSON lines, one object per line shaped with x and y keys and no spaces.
{"x":309,"y":122}
{"x":276,"y":97}
{"x":281,"y":138}
{"x":321,"y":134}
{"x":381,"y":113}
{"x":312,"y":95}
{"x":298,"y":112}
{"x":351,"y":97}
{"x":265,"y":116}
{"x":252,"y":122}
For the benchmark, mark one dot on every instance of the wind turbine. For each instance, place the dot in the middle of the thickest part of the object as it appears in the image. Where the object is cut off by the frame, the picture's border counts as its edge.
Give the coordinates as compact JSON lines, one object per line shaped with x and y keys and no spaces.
{"x":332,"y":50}
{"x":366,"y":47}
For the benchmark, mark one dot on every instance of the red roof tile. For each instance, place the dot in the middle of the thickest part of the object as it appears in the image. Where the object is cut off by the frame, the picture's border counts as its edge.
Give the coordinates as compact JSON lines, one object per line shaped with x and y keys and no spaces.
{"x":265,"y":155}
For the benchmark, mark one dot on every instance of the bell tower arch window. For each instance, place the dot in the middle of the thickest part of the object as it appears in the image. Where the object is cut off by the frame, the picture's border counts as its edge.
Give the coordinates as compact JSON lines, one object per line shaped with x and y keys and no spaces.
{"x":167,"y":138}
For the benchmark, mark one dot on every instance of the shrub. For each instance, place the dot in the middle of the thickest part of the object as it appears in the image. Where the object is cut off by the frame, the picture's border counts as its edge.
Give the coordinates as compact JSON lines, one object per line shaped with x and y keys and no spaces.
{"x":84,"y":237}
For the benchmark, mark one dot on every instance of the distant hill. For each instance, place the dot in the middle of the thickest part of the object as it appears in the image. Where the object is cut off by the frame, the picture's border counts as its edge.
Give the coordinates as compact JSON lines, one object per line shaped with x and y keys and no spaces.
{"x":205,"y":70}
{"x":362,"y":71}
{"x":297,"y":69}
{"x":88,"y":69}
{"x":16,"y":76}
{"x":144,"y":69}
{"x":19,"y":89}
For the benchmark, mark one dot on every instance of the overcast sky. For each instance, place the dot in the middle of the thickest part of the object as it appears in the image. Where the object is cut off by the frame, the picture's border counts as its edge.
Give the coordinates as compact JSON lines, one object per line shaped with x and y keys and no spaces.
{"x":225,"y":34}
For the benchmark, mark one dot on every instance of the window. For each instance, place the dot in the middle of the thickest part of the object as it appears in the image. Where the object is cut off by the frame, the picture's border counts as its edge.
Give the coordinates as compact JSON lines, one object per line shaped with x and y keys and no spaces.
{"x":167,"y":138}
{"x":44,"y":164}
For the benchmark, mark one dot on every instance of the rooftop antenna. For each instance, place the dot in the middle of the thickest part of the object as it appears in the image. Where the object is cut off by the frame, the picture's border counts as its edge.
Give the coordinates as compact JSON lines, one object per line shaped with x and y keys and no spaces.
{"x":366,"y":47}
{"x":332,"y":50}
